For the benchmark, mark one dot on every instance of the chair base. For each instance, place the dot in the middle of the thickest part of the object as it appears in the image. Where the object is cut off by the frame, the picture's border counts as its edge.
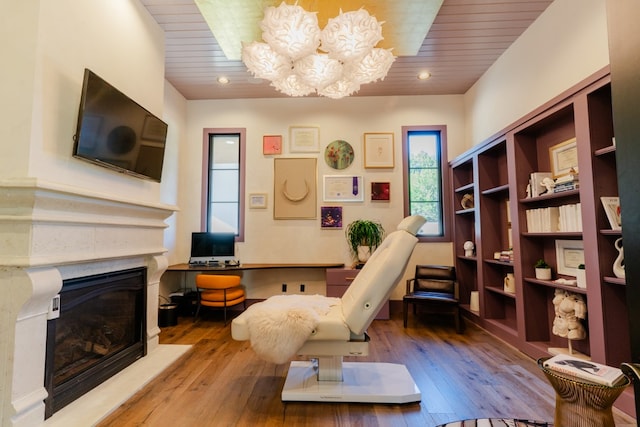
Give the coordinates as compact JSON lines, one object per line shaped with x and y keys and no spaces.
{"x":363,"y":382}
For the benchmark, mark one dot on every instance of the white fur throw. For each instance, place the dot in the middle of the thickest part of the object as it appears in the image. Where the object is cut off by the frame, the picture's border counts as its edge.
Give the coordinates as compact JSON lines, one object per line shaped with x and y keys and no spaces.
{"x":281,"y":324}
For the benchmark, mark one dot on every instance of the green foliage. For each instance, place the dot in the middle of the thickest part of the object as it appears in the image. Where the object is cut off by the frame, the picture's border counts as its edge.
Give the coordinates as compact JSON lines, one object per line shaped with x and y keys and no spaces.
{"x":581,"y":267}
{"x":363,"y":232}
{"x":541,"y":264}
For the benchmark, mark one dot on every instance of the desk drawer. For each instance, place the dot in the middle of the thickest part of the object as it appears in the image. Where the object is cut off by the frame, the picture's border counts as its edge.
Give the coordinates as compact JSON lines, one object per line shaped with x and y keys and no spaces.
{"x":341,"y":276}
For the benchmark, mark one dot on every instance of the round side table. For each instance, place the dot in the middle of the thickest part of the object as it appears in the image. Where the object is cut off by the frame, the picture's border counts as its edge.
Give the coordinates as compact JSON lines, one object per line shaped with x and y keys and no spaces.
{"x":580,"y":403}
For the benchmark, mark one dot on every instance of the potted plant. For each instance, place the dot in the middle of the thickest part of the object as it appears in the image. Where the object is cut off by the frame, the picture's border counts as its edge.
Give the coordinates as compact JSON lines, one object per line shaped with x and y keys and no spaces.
{"x":543,"y":271}
{"x":363,"y":237}
{"x":581,"y":277}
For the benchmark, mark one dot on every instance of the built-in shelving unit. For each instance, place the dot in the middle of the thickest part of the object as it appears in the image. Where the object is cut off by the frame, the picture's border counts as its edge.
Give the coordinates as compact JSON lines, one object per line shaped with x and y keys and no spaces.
{"x":498,"y":173}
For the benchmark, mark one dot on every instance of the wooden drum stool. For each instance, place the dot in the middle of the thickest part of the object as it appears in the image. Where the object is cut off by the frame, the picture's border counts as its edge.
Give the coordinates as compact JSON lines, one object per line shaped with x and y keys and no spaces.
{"x":581,"y":403}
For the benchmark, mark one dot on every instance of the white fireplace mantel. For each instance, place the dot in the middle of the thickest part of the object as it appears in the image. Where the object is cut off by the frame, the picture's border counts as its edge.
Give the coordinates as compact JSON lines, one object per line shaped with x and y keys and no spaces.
{"x":49,"y":233}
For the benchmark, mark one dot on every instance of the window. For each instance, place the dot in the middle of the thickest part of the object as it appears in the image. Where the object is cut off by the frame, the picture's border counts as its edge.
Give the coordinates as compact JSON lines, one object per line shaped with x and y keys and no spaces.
{"x":223,"y":181}
{"x":426,"y":179}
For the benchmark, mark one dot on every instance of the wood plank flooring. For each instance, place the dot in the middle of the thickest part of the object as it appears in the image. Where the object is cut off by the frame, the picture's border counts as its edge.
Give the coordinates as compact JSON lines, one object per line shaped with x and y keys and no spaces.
{"x":221,"y":382}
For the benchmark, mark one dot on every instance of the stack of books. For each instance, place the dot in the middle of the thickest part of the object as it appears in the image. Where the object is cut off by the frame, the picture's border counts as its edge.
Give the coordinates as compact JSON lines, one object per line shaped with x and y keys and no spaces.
{"x":568,"y":182}
{"x":565,"y":218}
{"x":585,"y":370}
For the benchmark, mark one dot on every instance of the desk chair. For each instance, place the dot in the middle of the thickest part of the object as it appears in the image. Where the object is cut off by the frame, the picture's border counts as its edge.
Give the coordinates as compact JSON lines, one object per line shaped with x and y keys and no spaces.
{"x":434,"y":287}
{"x":342,"y":332}
{"x":218,"y":290}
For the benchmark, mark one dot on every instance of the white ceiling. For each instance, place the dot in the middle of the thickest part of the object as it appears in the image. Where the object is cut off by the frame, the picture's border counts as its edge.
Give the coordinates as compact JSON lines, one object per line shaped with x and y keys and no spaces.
{"x":466,"y":38}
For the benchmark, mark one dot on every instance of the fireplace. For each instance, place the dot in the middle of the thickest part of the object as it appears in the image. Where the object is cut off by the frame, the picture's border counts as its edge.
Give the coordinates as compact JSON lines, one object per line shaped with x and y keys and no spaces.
{"x":99,"y":332}
{"x":55,"y":235}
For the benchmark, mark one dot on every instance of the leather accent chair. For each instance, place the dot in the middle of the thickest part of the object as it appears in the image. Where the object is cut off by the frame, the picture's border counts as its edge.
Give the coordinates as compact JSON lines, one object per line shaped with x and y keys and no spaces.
{"x":434,"y":288}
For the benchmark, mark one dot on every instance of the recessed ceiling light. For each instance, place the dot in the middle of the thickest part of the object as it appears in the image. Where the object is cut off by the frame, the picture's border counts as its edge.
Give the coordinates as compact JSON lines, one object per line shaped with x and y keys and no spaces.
{"x":424,"y":75}
{"x":223,"y":80}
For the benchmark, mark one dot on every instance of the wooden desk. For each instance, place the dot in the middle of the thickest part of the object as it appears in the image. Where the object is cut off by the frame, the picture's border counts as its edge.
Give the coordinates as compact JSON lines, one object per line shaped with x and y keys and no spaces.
{"x":187,"y":267}
{"x":260,"y":292}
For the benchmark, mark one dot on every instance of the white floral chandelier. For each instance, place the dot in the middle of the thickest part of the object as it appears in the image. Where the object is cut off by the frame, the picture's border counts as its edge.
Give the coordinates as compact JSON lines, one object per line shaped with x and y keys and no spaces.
{"x":301,"y":59}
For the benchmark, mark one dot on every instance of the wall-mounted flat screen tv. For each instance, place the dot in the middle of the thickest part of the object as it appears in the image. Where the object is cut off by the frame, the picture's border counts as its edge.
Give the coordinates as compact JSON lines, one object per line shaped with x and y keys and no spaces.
{"x":116,"y":132}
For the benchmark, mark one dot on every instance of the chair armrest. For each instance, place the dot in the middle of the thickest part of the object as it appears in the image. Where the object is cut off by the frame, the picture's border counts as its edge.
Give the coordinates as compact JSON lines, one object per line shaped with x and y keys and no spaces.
{"x":409,"y":282}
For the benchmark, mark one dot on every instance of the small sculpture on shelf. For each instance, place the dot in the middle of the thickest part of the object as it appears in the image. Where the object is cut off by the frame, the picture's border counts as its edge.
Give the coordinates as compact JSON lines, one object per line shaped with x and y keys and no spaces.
{"x":570,"y":310}
{"x":469,"y":248}
{"x":618,"y":265}
{"x":548,"y":184}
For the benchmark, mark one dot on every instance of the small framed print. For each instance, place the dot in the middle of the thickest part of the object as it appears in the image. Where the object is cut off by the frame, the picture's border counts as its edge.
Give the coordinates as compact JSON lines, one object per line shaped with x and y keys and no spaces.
{"x":304,"y":139}
{"x":569,"y":255}
{"x":331,"y":217}
{"x":380,"y":191}
{"x":378,"y":150}
{"x":563,"y":158}
{"x":258,"y":201}
{"x":272,"y":144}
{"x":611,"y":207}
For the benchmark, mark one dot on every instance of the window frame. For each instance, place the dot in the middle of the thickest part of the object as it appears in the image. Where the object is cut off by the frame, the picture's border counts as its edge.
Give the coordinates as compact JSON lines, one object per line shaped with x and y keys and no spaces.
{"x":204,"y":202}
{"x":445,"y":181}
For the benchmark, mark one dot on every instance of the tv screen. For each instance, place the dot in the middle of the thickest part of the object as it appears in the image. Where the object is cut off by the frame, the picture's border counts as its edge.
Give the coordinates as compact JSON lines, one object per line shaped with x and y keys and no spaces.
{"x":212,"y":247}
{"x":116,"y":132}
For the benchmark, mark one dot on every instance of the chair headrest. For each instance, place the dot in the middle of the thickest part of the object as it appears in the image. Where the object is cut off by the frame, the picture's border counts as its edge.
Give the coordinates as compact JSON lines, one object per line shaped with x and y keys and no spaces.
{"x":412,"y":224}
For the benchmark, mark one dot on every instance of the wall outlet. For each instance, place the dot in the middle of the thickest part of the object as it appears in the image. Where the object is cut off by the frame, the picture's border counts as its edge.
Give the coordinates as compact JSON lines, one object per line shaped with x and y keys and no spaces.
{"x":284,"y":287}
{"x":54,"y":308}
{"x":302,"y":287}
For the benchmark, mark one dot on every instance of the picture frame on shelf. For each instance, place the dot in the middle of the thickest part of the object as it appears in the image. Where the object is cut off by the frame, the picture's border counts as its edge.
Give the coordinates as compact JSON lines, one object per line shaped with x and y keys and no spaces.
{"x":258,"y":201}
{"x":611,"y":207}
{"x":343,"y":188}
{"x":304,"y":139}
{"x":563,"y":158}
{"x":271,"y":144}
{"x":379,"y":150}
{"x":569,"y":255}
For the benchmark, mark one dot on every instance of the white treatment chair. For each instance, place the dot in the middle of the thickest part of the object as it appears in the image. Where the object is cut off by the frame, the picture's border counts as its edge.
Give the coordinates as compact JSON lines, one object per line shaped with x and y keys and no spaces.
{"x":342,"y":332}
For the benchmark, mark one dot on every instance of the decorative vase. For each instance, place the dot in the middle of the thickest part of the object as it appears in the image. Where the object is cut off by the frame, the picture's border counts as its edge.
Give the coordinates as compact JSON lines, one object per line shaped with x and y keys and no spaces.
{"x":510,"y":283}
{"x":618,"y":265}
{"x":364,"y":252}
{"x":543,"y":273}
{"x":581,"y":278}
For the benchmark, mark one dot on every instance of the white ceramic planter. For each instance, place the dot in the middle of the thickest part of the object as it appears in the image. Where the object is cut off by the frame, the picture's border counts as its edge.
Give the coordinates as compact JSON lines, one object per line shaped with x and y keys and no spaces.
{"x":543,"y":273}
{"x":581,"y":278}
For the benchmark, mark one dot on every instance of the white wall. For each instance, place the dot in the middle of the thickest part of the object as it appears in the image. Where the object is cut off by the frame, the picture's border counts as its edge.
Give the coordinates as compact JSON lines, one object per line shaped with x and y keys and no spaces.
{"x":52,"y":43}
{"x":303,"y":241}
{"x":566,"y":44}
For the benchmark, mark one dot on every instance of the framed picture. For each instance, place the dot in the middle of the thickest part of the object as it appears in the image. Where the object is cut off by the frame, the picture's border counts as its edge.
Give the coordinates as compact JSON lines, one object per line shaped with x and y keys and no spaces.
{"x":380,"y":191}
{"x":569,"y":255}
{"x":331,"y":216}
{"x":378,"y":150}
{"x":258,"y":201}
{"x":611,"y":207}
{"x":563,"y":158}
{"x":343,"y":188}
{"x":304,"y":139}
{"x":272,"y":144}
{"x":295,"y":188}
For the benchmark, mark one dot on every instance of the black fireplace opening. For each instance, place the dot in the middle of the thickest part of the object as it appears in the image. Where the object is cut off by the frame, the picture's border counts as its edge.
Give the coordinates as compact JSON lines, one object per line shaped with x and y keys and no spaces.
{"x":100,"y":331}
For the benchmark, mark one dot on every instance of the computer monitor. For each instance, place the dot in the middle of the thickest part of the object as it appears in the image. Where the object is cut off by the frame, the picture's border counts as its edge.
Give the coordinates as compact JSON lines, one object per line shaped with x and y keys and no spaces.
{"x":212,"y":247}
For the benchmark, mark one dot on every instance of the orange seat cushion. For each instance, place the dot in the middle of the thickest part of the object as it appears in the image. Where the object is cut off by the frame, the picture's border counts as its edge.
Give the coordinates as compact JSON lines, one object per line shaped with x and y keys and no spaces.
{"x":216,"y":281}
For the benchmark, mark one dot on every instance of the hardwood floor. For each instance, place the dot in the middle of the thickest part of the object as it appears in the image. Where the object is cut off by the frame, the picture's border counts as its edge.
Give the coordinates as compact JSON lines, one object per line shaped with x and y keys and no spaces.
{"x":221,"y":382}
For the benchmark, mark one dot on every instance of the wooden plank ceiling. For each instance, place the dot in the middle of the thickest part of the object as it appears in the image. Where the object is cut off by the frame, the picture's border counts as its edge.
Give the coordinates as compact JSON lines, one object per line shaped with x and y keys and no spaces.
{"x":466,"y":38}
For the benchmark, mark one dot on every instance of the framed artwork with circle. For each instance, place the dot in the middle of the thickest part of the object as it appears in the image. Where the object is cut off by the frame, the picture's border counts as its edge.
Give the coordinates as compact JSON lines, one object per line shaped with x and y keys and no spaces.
{"x":339,"y":154}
